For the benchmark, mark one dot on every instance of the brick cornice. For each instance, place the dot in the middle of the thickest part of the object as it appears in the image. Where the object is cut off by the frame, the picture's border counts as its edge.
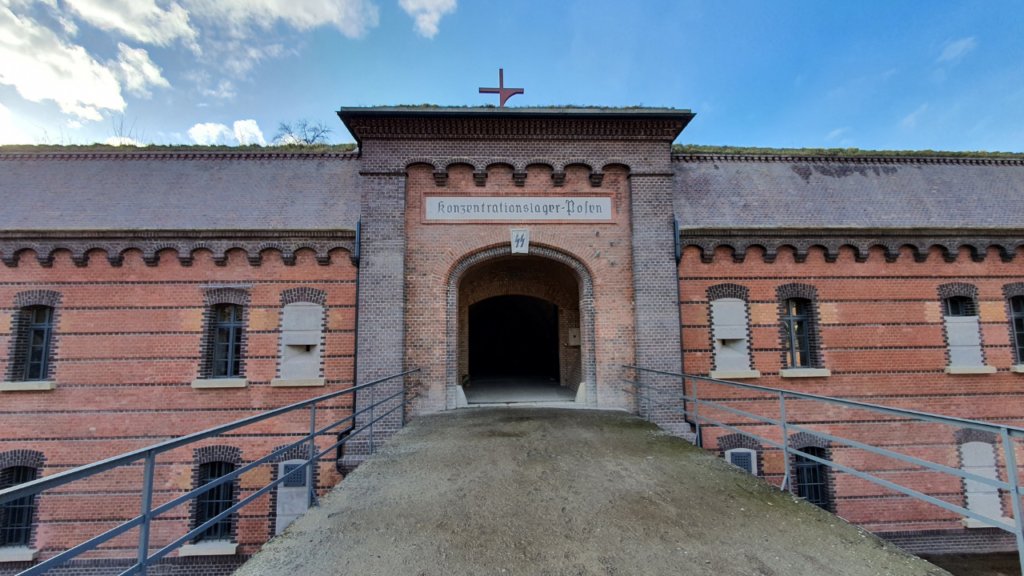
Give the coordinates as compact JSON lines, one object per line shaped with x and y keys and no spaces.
{"x":1007,"y":242}
{"x":514,"y":124}
{"x":114,"y":244}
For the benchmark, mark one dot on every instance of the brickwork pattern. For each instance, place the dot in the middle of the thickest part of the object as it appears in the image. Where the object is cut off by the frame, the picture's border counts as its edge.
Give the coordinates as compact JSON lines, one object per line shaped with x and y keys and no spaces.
{"x":131,"y":341}
{"x":596,"y":255}
{"x":881,"y":335}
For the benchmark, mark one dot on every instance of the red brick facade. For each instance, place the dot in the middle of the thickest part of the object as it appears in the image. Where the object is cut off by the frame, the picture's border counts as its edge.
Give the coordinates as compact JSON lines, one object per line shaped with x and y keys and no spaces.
{"x":133,"y":288}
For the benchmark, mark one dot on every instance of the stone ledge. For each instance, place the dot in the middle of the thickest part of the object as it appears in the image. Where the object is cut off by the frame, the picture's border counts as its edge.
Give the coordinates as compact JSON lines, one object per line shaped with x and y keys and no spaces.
{"x":972,"y":523}
{"x":1018,"y":368}
{"x":970,"y":369}
{"x":204,"y":383}
{"x":28,"y":386}
{"x":734,"y":374}
{"x":805,"y":372}
{"x":297,"y":382}
{"x":17,"y":554}
{"x":209,"y":548}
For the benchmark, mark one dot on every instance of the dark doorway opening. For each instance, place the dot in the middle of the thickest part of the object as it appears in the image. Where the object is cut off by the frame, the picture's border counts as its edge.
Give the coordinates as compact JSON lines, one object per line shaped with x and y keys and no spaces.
{"x":513,"y":336}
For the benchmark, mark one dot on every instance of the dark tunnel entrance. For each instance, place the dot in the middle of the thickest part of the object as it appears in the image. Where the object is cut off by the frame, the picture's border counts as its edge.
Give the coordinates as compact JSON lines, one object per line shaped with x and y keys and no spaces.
{"x":514,"y":337}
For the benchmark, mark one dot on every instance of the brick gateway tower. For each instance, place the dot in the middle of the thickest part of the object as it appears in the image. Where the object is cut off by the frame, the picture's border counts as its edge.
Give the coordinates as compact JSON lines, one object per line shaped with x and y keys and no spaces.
{"x":443,"y":191}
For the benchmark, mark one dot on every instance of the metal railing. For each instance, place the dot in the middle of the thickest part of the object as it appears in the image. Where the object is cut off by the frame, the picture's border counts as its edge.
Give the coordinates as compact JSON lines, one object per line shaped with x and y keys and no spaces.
{"x":776,"y":421}
{"x":148,"y":455}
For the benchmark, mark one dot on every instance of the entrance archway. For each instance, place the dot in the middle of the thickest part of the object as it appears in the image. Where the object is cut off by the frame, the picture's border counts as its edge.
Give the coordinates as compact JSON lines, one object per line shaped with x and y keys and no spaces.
{"x":521,"y":329}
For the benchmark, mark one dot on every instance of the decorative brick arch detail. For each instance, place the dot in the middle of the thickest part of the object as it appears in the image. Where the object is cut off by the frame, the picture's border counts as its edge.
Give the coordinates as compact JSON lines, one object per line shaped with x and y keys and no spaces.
{"x":49,"y":298}
{"x":737,"y":440}
{"x":206,"y":455}
{"x":810,"y":293}
{"x":584,"y":280}
{"x":1014,"y":289}
{"x":304,"y":294}
{"x":17,"y":348}
{"x":965,"y":435}
{"x":806,"y":439}
{"x":212,"y":298}
{"x":719,"y":291}
{"x":954,"y":289}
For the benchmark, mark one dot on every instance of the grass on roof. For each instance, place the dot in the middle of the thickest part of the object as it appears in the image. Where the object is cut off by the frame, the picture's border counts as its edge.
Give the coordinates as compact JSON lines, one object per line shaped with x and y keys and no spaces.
{"x":836,"y":152}
{"x":81,"y":148}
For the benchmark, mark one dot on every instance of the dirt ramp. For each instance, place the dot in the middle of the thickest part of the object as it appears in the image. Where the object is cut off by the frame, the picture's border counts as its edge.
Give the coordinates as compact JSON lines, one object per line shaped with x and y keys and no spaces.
{"x":531,"y":492}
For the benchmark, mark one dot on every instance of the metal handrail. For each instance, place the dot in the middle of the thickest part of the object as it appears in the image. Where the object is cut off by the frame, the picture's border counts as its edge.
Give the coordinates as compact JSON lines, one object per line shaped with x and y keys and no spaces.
{"x":149,"y":454}
{"x":700,"y":418}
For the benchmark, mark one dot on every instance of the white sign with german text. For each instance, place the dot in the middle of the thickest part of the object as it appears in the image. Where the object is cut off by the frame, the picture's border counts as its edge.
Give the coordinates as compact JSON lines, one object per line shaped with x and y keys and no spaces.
{"x":518,"y":208}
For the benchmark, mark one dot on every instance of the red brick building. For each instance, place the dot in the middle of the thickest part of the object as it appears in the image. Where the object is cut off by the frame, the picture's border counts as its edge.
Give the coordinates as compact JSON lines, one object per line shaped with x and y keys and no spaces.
{"x":505,"y":252}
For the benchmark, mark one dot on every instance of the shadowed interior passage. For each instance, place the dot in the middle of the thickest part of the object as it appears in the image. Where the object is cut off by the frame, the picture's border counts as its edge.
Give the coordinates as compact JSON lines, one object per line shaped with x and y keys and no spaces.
{"x":513,"y":336}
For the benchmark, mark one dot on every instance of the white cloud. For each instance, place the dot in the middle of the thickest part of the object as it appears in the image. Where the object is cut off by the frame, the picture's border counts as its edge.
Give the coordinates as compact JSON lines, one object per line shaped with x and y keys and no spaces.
{"x":955,"y":50}
{"x":351,"y":17}
{"x":209,"y":133}
{"x":141,"y":20}
{"x":244,"y":132}
{"x":248,"y":132}
{"x":224,"y":90}
{"x":137,"y":71}
{"x":837,"y":133}
{"x":122,"y":141}
{"x":41,"y":66}
{"x":910,"y":120}
{"x":427,"y":14}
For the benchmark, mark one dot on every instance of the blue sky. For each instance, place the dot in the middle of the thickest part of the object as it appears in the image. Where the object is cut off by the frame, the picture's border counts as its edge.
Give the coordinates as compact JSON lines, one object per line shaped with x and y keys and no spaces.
{"x":867,"y":74}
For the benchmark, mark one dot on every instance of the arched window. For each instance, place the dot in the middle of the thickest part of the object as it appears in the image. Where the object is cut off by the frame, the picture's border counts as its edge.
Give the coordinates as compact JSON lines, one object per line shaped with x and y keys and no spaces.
{"x":214,"y":501}
{"x":811,"y":477}
{"x":963,"y":329}
{"x":796,"y":329}
{"x":1017,"y":326}
{"x":16,"y":516}
{"x":226,"y":331}
{"x":37,"y":341}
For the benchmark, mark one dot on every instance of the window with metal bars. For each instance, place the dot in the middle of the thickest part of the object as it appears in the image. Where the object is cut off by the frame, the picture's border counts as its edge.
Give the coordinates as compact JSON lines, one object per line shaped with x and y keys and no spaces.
{"x":796,"y":328}
{"x":214,"y":501}
{"x":36,"y":335}
{"x":1017,"y":320}
{"x":960,"y":306}
{"x":16,"y":516}
{"x":226,"y":330}
{"x":812,"y":477}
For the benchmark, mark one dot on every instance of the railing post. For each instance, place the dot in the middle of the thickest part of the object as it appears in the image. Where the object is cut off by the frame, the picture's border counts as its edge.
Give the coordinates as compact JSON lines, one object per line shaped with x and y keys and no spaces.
{"x":373,"y":407}
{"x":785,"y":441}
{"x":698,"y":440}
{"x":311,"y":466}
{"x":147,"y":506}
{"x":1011,"y":479}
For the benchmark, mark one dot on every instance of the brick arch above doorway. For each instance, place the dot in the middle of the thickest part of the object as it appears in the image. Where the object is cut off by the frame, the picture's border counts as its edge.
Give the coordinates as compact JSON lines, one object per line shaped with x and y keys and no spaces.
{"x":585,"y":285}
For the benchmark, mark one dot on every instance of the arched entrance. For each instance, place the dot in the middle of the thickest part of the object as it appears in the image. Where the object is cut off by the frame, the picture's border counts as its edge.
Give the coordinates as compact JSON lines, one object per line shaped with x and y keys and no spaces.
{"x":523,"y":329}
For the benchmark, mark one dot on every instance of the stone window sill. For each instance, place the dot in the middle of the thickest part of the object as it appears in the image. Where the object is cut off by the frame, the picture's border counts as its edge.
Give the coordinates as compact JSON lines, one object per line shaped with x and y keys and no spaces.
{"x":1018,"y":368}
{"x":209,"y":548}
{"x":805,"y":373}
{"x":297,"y":382}
{"x":18,"y":554}
{"x":970,"y":369}
{"x":972,"y":523}
{"x":734,"y":374}
{"x":28,"y":386}
{"x":205,"y":383}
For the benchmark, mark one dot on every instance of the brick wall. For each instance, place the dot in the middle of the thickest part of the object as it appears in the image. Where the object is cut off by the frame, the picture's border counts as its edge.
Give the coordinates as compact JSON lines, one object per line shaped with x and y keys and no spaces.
{"x":128,"y":347}
{"x":601,"y":253}
{"x":880,"y":333}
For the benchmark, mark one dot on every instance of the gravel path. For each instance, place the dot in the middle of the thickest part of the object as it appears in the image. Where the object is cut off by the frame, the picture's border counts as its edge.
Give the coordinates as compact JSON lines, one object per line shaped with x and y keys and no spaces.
{"x":530,"y":492}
